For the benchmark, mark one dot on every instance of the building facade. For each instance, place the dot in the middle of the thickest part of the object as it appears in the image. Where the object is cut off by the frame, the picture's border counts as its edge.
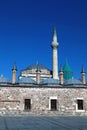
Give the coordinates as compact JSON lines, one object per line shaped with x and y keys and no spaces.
{"x":39,"y":90}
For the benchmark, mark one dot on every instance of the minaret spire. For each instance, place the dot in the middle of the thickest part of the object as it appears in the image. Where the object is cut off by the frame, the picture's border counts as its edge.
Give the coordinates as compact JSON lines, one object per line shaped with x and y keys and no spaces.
{"x":14,"y":70}
{"x":83,"y":74}
{"x":61,"y":75}
{"x":54,"y":46}
{"x":55,"y":35}
{"x":38,"y":74}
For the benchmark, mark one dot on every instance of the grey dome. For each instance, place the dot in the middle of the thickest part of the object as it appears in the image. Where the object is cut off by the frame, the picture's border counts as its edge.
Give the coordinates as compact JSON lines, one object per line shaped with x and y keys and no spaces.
{"x":49,"y":81}
{"x":35,"y":66}
{"x":26,"y":80}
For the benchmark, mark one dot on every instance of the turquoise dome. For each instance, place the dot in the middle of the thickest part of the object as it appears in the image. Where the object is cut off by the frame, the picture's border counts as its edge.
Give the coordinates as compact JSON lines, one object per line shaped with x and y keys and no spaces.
{"x":67,"y":71}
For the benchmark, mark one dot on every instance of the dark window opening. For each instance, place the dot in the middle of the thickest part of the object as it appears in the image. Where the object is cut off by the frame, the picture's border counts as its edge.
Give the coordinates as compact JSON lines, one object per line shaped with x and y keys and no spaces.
{"x":80,"y":104}
{"x":27,"y":104}
{"x":53,"y":104}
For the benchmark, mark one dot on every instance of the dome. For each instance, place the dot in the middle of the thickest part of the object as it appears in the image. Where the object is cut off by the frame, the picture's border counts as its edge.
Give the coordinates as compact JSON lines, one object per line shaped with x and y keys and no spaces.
{"x":26,"y":80}
{"x":35,"y":66}
{"x":72,"y":81}
{"x":67,"y":67}
{"x":4,"y":79}
{"x":67,"y":71}
{"x":50,"y":81}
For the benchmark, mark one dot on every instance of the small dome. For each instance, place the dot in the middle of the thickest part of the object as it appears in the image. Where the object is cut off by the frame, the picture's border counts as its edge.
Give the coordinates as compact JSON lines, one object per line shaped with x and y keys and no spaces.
{"x":26,"y":80}
{"x":35,"y":66}
{"x":49,"y":81}
{"x":4,"y":79}
{"x":72,"y":81}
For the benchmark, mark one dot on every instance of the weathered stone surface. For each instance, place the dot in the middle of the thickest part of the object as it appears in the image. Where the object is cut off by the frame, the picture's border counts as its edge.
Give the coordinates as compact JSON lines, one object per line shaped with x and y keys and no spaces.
{"x":12,"y":100}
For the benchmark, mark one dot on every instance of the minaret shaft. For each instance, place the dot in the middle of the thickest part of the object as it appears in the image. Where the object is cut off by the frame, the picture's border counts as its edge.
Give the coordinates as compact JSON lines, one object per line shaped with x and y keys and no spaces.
{"x":54,"y":46}
{"x":61,"y":77}
{"x":55,"y":63}
{"x":83,"y":78}
{"x":83,"y":74}
{"x":14,"y":71}
{"x":14,"y":76}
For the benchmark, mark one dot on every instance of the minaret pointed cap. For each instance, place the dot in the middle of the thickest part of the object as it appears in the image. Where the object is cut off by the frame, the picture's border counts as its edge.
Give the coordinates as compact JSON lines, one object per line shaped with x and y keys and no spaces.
{"x":14,"y":67}
{"x":83,"y":70}
{"x":54,"y":42}
{"x":55,"y":31}
{"x":54,"y":34}
{"x":61,"y":69}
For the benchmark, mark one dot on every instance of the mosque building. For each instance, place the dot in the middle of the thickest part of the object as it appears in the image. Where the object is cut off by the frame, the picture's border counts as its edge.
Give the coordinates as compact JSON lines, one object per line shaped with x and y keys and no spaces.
{"x":40,"y":90}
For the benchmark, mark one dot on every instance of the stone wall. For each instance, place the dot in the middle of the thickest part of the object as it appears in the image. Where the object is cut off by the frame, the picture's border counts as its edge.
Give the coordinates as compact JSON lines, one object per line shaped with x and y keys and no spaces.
{"x":12,"y":100}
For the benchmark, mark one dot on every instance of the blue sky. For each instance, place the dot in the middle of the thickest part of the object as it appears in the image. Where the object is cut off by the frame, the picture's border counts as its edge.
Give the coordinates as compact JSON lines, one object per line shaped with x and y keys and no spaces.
{"x":26,"y":29}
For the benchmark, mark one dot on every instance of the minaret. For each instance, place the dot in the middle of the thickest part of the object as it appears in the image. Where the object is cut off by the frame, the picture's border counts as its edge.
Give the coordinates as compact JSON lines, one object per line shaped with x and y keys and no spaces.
{"x":54,"y":46}
{"x":61,"y":75}
{"x":83,"y":73}
{"x":38,"y":75}
{"x":14,"y":70}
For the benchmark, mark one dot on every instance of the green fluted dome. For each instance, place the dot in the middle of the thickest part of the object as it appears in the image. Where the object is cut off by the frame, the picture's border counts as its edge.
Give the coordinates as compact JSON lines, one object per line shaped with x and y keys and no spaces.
{"x":67,"y":71}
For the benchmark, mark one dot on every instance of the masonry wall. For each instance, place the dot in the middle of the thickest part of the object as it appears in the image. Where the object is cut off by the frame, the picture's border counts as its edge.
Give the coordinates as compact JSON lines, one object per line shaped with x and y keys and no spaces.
{"x":12,"y":100}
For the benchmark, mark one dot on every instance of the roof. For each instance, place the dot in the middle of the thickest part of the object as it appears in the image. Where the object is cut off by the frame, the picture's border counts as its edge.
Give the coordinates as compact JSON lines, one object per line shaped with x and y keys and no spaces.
{"x":26,"y":80}
{"x":4,"y":79}
{"x":72,"y":81}
{"x":35,"y":66}
{"x":49,"y":81}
